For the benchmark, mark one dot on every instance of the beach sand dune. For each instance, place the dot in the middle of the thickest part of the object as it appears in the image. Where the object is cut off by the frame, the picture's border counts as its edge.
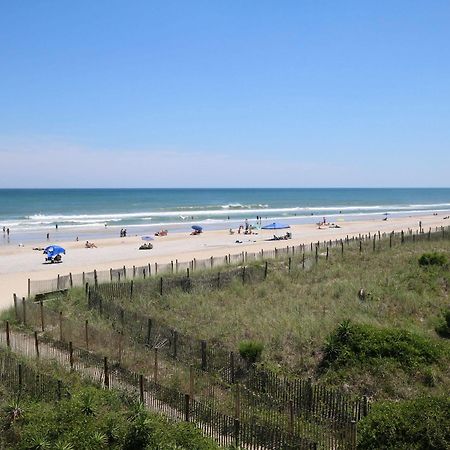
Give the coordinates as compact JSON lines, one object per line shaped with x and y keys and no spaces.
{"x":17,"y":264}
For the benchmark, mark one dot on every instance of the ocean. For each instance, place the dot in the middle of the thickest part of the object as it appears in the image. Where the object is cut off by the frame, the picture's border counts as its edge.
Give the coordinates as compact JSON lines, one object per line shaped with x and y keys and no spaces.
{"x":88,"y":213}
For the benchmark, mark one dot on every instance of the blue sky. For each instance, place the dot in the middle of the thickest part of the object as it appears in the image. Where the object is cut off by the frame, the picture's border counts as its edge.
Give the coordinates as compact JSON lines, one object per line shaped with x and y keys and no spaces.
{"x":230,"y":93}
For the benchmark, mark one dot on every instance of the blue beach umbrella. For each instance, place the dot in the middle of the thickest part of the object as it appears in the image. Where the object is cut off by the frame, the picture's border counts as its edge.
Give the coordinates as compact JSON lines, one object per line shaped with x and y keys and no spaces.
{"x":197,"y":228}
{"x":147,"y":238}
{"x":275,"y":226}
{"x":54,"y":250}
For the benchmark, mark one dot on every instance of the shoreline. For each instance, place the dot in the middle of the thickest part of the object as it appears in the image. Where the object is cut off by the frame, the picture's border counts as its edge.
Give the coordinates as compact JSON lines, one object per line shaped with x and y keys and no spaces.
{"x":17,"y":264}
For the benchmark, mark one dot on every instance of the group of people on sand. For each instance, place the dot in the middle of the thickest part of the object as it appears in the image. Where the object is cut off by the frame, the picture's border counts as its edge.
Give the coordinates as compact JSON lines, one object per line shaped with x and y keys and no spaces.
{"x":324,"y":223}
{"x":90,"y":245}
{"x":123,"y":232}
{"x":6,"y":230}
{"x":245,"y":229}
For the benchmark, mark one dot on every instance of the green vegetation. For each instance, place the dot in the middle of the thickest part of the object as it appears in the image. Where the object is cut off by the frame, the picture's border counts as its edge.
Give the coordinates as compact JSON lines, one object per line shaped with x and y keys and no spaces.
{"x":433,"y":259}
{"x":443,"y":329}
{"x":421,"y":424}
{"x":250,"y":351}
{"x":293,"y":314}
{"x":353,"y":343}
{"x":92,"y":418}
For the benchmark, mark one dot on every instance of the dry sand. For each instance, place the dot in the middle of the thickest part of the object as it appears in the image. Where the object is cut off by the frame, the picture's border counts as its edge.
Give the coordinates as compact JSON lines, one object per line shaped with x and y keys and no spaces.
{"x":17,"y":264}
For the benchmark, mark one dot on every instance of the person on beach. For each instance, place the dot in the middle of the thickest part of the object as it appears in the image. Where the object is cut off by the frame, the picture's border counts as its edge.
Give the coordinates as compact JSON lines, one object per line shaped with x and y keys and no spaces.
{"x":4,"y":229}
{"x":48,"y":236}
{"x":7,"y":231}
{"x":56,"y":225}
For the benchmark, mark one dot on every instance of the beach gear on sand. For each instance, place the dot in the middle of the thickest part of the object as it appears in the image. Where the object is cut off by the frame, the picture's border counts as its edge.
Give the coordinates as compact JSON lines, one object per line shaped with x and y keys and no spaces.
{"x":197,"y":228}
{"x":54,"y":253}
{"x":275,"y":226}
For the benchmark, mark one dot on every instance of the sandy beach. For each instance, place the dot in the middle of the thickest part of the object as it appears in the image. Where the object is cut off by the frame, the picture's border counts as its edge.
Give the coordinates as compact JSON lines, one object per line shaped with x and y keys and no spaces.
{"x":17,"y":264}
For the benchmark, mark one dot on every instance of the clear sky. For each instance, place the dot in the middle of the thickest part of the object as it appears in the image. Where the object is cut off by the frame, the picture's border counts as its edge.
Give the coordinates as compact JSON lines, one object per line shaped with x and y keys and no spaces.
{"x":224,"y":93}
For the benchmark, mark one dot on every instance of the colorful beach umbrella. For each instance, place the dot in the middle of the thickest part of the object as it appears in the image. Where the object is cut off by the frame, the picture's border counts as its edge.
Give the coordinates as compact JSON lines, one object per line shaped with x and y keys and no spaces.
{"x":54,"y":250}
{"x":197,"y":228}
{"x":275,"y":226}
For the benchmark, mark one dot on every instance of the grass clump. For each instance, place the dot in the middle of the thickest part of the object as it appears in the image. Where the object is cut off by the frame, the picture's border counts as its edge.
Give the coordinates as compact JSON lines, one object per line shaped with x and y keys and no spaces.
{"x":355,"y":343}
{"x":443,"y":329}
{"x":433,"y":259}
{"x":420,"y":424}
{"x":251,"y":351}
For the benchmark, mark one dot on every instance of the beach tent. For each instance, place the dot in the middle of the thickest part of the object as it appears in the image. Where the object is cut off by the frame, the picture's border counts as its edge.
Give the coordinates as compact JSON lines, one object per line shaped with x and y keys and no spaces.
{"x":275,"y":226}
{"x":197,"y":228}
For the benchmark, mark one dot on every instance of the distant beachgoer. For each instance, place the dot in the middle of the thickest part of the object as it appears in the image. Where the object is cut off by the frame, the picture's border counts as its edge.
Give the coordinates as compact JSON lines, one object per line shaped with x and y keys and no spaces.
{"x":56,"y":225}
{"x":7,"y":231}
{"x":48,"y":236}
{"x":76,"y":239}
{"x":121,"y":232}
{"x":4,"y":229}
{"x":124,"y":232}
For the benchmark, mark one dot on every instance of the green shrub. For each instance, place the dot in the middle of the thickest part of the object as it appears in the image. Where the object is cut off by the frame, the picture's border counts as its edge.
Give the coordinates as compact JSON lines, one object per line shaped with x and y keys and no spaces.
{"x":444,"y":328}
{"x":423,"y":423}
{"x":250,"y":351}
{"x":433,"y":259}
{"x":351,"y":343}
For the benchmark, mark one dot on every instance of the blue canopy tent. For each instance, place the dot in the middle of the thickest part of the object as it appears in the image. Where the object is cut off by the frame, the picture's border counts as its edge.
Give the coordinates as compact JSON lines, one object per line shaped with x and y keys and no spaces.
{"x":197,"y":228}
{"x":54,"y":253}
{"x":275,"y":226}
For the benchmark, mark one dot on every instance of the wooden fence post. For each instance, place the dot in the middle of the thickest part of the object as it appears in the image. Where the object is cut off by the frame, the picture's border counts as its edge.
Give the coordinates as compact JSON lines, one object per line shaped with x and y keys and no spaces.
{"x":156,"y":268}
{"x":155,"y":367}
{"x":141,"y":388}
{"x":186,"y":407}
{"x":131,"y":289}
{"x":70,"y":280}
{"x":36,"y":344}
{"x":342,"y":248}
{"x":71,"y":355}
{"x":161,"y":286}
{"x":191,"y":381}
{"x":289,"y":264}
{"x":20,"y":377}
{"x":327,"y":253}
{"x":86,"y":333}
{"x":243,"y":275}
{"x":60,"y":326}
{"x":203,"y":351}
{"x":175,"y":343}
{"x":303,"y":260}
{"x":57,"y":283}
{"x":8,"y":338}
{"x":16,"y":312}
{"x":236,"y":433}
{"x":149,"y":331}
{"x":124,"y":273}
{"x":29,"y":288}
{"x":24,"y":311}
{"x":360,"y":246}
{"x":105,"y":371}
{"x":110,"y":275}
{"x":232,"y":373}
{"x":41,"y":308}
{"x":291,"y":417}
{"x":95,"y":278}
{"x":265,"y":270}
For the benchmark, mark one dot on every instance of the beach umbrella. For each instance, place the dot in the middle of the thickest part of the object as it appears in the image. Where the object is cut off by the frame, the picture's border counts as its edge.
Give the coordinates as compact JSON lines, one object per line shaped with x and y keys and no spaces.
{"x":197,"y":228}
{"x":147,"y":238}
{"x":275,"y":226}
{"x":54,"y":250}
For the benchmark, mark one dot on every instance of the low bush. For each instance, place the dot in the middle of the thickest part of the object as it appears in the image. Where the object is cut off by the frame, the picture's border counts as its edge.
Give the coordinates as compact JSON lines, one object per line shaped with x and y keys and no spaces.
{"x":93,"y":419}
{"x":250,"y":351}
{"x":351,"y":343}
{"x":443,"y":329}
{"x":433,"y":259}
{"x":420,"y":424}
